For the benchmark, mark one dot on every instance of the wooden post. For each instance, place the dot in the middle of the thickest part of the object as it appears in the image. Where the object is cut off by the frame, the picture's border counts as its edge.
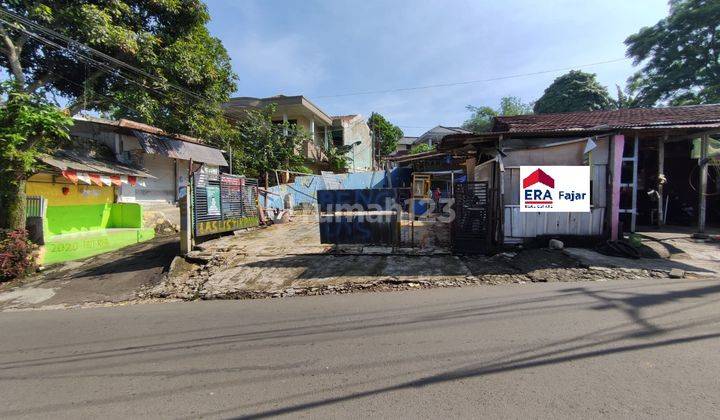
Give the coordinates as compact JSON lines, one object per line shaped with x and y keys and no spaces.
{"x":661,"y":176}
{"x":636,"y":156}
{"x":703,"y":183}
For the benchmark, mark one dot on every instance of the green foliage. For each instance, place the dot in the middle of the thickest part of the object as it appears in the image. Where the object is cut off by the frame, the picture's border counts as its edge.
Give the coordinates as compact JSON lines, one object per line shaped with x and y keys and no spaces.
{"x":387,"y":133}
{"x":260,"y":146}
{"x":29,"y":127}
{"x":337,"y":157}
{"x":421,"y":148}
{"x":574,"y":91}
{"x":481,"y":119}
{"x":680,"y":56}
{"x":626,"y":99}
{"x":16,"y":254}
{"x":165,"y":38}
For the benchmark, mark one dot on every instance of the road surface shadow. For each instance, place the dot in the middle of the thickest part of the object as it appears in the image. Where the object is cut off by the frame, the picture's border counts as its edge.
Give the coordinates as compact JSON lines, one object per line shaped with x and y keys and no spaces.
{"x":593,"y":344}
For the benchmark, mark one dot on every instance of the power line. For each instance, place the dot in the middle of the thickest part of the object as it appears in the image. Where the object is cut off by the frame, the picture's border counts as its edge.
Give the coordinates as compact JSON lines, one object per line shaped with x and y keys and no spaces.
{"x":468,"y":82}
{"x":108,"y":69}
{"x":93,"y":51}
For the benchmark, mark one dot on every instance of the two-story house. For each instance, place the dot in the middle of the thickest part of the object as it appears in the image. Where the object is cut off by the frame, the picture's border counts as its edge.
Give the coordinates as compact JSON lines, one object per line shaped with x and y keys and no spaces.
{"x":295,"y":110}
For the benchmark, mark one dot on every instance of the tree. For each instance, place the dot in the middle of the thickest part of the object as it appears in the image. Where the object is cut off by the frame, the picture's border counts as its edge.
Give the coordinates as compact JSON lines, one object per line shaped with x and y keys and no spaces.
{"x":574,"y":91}
{"x":481,"y":119}
{"x":681,"y":56}
{"x":184,"y":73}
{"x":338,"y":158}
{"x":421,"y":148}
{"x":181,"y":76}
{"x":262,"y":146}
{"x":626,"y":99}
{"x":29,"y":126}
{"x":387,"y":133}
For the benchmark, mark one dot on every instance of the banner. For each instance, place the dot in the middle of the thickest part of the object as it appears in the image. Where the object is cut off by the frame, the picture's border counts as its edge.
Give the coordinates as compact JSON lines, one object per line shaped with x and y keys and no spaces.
{"x":213,"y":200}
{"x":555,"y":189}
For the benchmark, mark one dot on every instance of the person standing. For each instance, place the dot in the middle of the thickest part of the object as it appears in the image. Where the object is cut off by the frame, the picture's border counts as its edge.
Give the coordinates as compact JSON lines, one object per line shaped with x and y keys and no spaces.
{"x":436,"y":198}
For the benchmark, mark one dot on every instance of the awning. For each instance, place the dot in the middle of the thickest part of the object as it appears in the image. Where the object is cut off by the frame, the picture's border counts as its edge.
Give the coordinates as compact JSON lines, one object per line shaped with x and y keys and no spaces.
{"x":66,"y":160}
{"x":83,"y":169}
{"x":177,"y":149}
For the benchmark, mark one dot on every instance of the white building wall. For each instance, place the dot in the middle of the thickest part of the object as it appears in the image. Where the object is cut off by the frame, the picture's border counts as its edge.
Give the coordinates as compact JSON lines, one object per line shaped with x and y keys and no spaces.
{"x":519,"y":225}
{"x":358,"y":130}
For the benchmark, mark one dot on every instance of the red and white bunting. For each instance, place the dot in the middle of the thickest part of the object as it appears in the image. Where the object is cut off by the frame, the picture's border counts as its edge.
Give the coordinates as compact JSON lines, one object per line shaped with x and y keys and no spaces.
{"x":70,"y":175}
{"x":95,"y":179}
{"x":100,"y":179}
{"x":83,"y":177}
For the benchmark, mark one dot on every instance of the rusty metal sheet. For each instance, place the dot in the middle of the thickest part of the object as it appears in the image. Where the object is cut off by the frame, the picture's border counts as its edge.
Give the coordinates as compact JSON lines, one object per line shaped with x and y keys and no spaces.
{"x":178,"y":149}
{"x":63,"y":160}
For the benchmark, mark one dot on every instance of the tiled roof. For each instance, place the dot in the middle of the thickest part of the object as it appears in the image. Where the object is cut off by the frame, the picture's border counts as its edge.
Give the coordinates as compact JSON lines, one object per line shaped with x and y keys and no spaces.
{"x":407,"y":140}
{"x":614,"y":119}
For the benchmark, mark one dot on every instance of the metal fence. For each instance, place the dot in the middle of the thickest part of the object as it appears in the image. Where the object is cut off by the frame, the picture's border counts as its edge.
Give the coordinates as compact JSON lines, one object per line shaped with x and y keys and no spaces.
{"x":471,"y":227}
{"x":36,"y":206}
{"x":359,"y":216}
{"x":223,"y":203}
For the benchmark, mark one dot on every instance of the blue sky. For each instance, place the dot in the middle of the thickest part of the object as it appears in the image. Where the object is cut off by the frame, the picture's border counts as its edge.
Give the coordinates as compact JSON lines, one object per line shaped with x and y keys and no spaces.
{"x":321,"y":48}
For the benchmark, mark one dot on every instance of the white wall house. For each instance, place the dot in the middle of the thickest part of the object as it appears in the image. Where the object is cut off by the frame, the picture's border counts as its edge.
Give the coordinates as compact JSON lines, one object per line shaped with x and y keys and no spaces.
{"x":166,"y":157}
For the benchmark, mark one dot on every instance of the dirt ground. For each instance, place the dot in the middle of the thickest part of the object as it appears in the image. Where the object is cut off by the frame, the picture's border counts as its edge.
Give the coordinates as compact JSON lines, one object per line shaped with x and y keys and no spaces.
{"x":286,"y":260}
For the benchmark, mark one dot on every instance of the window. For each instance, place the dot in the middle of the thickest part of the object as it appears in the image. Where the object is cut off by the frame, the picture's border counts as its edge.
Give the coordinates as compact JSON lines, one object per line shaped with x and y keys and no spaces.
{"x":337,"y":137}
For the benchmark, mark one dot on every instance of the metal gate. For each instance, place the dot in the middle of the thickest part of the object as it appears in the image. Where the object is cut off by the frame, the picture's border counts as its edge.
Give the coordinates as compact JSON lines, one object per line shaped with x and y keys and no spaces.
{"x":368,"y":216}
{"x":222,"y":203}
{"x":471,"y":226}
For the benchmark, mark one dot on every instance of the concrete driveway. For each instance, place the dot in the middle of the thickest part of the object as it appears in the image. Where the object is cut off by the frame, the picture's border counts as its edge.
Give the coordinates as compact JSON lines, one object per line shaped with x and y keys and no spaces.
{"x":621,"y":349}
{"x":104,"y":279}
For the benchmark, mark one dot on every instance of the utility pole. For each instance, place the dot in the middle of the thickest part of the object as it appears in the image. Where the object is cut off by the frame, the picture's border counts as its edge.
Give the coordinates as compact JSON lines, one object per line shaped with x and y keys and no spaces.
{"x":703,"y":162}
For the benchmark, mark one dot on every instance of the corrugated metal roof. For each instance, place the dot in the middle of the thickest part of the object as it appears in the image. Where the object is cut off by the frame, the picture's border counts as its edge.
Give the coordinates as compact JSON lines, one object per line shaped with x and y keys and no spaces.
{"x":134,"y":125}
{"x":177,"y":149}
{"x":610,"y":119}
{"x":63,"y":160}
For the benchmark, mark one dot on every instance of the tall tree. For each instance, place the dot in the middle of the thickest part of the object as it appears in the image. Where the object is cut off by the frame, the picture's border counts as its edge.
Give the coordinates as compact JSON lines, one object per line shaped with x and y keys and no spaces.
{"x":680,"y":56}
{"x":29,"y":126}
{"x":481,"y":119}
{"x":263,"y":146}
{"x":180,"y":75}
{"x":386,"y":132}
{"x":184,"y":73}
{"x":574,"y":91}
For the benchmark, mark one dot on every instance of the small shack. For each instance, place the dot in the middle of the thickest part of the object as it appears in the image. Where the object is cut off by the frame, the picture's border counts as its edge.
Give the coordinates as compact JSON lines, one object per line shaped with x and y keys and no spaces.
{"x":647,"y":167}
{"x":72,"y":210}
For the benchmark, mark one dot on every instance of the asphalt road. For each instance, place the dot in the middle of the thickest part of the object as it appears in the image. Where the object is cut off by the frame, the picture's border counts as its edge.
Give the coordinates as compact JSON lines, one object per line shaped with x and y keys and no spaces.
{"x":612,"y":349}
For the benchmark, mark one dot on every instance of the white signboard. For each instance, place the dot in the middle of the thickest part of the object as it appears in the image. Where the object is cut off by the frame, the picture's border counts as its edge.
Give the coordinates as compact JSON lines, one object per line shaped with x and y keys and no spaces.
{"x":555,"y":189}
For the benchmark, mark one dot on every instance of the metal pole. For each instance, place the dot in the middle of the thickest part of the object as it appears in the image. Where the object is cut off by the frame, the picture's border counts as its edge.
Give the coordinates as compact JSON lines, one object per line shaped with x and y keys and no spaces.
{"x":703,"y":183}
{"x":661,"y":174}
{"x":452,"y":184}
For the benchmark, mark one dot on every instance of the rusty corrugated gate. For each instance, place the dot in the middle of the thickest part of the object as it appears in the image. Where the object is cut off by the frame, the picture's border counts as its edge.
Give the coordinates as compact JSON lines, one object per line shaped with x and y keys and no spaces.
{"x":223,"y":203}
